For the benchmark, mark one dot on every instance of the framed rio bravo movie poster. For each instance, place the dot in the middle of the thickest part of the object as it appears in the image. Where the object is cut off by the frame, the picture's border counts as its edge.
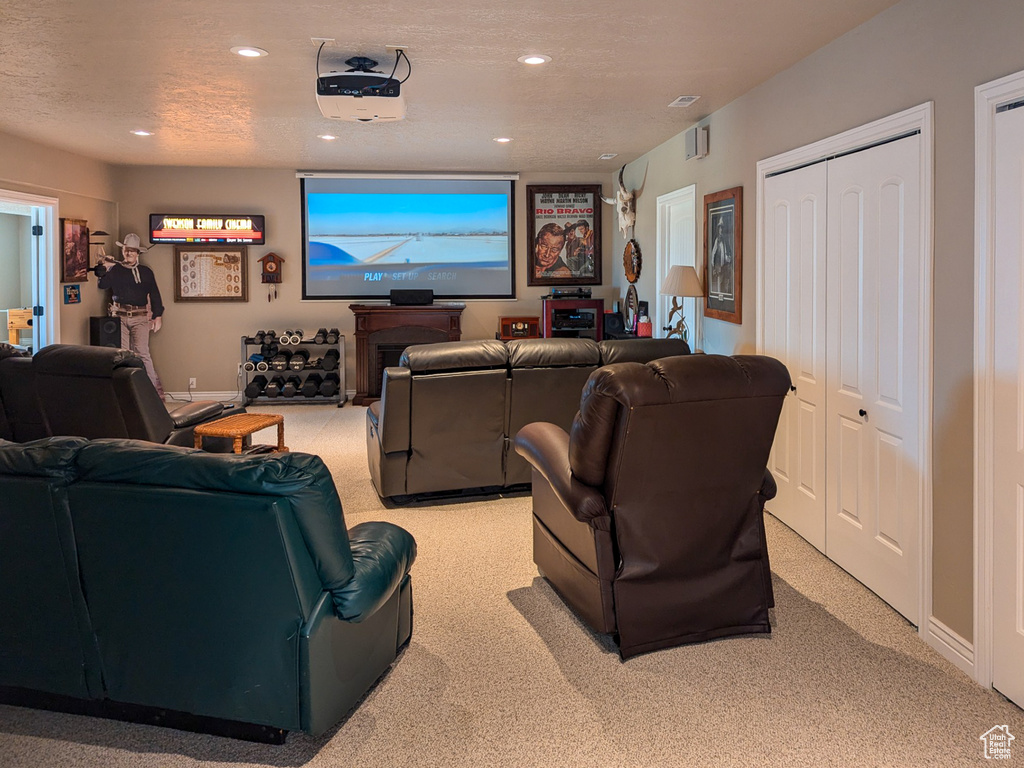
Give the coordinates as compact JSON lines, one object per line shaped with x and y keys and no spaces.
{"x":723,"y":255}
{"x":563,"y":234}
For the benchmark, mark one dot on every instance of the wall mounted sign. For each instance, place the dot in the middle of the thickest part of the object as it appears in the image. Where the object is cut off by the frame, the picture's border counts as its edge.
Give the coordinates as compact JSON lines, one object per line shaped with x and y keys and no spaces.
{"x":206,"y":228}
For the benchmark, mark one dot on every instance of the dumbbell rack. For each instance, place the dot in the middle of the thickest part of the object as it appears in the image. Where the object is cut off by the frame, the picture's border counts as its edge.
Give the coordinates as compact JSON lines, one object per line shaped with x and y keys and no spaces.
{"x":316,"y":352}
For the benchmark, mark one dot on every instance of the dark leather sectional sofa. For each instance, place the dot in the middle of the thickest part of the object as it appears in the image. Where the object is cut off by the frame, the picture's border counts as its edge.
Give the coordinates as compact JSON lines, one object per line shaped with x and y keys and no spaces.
{"x":449,"y":411}
{"x":204,"y":591}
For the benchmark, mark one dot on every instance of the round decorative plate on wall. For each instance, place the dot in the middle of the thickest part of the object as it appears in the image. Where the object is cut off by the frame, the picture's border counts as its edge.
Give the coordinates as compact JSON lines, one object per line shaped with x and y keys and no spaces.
{"x":632,"y":261}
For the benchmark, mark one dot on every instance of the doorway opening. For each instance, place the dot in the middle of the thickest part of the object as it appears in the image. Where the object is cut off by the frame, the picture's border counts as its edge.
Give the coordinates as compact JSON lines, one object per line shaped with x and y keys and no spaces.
{"x":29,"y":270}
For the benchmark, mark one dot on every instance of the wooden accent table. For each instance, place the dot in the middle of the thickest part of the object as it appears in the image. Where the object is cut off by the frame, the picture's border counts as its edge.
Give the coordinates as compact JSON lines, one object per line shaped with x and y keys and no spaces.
{"x":240,"y":426}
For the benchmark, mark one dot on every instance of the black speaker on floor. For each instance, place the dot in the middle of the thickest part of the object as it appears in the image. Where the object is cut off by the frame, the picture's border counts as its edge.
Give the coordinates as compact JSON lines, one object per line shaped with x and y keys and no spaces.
{"x":105,"y":331}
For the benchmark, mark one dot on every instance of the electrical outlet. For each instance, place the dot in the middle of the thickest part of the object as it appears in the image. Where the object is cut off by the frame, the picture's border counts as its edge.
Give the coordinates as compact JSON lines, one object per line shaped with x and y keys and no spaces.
{"x":191,"y":383}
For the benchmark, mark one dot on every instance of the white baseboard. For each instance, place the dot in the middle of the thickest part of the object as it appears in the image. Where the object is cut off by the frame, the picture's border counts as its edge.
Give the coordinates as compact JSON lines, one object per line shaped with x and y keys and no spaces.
{"x":951,"y":646}
{"x":177,"y":398}
{"x":184,"y":397}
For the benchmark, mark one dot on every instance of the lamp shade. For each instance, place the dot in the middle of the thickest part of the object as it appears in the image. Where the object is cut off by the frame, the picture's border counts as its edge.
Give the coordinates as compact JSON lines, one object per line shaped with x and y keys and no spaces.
{"x":682,"y":281}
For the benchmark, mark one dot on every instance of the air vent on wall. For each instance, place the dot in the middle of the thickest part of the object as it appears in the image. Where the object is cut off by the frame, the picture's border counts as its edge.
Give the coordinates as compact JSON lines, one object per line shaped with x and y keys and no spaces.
{"x":684,"y":101}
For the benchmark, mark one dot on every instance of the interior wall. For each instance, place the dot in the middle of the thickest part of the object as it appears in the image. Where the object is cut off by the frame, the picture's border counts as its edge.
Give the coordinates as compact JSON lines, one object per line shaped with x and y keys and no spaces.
{"x":917,"y":51}
{"x":84,"y":189}
{"x":10,"y":262}
{"x":202,"y":339}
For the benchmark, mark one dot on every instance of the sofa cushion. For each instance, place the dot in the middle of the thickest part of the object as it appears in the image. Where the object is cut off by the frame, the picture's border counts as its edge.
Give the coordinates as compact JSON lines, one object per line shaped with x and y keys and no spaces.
{"x":74,"y":360}
{"x":550,"y":353}
{"x":301,"y":478}
{"x":454,"y":356}
{"x":21,"y":399}
{"x":640,"y":350}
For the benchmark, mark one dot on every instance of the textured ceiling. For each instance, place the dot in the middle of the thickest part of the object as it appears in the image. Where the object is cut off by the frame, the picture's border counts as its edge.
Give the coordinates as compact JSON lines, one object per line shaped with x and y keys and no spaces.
{"x":82,"y":74}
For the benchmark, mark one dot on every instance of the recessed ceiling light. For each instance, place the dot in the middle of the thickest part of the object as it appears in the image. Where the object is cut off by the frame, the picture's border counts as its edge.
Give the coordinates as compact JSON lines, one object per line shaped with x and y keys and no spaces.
{"x":140,"y":132}
{"x":502,"y":139}
{"x":248,"y":51}
{"x":326,"y":137}
{"x":608,"y":155}
{"x":534,"y":58}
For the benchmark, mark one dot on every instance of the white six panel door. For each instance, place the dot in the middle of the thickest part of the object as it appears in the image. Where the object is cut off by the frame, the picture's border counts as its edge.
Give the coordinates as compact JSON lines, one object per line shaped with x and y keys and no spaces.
{"x":794,"y":285}
{"x":874,"y":297}
{"x":1008,"y":407}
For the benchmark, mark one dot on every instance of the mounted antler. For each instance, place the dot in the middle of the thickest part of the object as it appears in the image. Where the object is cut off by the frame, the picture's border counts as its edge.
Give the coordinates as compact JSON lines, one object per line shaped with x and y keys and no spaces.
{"x":625,"y":202}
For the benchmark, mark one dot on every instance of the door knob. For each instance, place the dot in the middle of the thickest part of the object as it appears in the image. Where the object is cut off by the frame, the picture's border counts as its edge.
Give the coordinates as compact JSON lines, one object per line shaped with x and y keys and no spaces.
{"x":792,"y":388}
{"x":862,"y":412}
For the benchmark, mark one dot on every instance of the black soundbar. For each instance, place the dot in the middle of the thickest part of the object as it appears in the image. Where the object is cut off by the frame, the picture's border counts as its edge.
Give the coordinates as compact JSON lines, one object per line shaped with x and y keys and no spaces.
{"x":412,"y":297}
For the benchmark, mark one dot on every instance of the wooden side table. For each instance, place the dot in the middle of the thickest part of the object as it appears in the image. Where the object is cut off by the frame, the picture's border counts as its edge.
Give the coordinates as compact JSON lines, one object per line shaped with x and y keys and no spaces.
{"x":240,"y":426}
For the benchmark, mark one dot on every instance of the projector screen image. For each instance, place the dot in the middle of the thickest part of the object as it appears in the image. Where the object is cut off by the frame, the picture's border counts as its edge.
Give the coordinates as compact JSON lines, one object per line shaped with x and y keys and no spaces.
{"x":364,"y":237}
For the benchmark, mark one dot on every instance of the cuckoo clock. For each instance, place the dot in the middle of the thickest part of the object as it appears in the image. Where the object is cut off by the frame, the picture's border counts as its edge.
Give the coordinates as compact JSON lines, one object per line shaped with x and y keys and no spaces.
{"x":271,"y":265}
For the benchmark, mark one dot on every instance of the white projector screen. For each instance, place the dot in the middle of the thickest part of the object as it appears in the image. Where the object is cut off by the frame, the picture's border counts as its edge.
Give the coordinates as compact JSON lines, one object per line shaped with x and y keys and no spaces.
{"x":363,"y":237}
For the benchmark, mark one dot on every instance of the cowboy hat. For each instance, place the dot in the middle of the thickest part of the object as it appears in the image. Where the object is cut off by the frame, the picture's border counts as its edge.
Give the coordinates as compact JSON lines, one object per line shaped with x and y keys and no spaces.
{"x":132,"y":241}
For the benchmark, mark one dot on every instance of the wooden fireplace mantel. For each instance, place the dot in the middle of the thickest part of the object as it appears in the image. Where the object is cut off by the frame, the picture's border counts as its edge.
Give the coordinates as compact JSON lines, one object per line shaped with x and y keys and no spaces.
{"x":379,"y":325}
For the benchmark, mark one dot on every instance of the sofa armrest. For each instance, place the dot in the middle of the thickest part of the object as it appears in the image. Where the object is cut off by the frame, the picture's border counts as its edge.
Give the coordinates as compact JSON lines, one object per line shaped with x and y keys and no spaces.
{"x":546,"y":447}
{"x":395,"y":403}
{"x":768,"y":486}
{"x":194,"y":413}
{"x":382,"y":555}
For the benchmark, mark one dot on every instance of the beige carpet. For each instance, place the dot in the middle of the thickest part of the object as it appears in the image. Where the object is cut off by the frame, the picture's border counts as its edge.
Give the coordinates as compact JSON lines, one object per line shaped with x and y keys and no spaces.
{"x":500,"y":673}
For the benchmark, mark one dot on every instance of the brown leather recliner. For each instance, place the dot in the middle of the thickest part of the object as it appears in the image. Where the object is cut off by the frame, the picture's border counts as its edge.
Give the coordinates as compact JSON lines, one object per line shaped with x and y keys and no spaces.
{"x":648,"y":517}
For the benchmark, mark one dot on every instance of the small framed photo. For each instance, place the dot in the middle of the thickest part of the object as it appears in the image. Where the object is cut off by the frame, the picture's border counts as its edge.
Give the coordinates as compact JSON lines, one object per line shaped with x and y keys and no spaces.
{"x":563,"y":234}
{"x":72,"y":294}
{"x":75,"y":261}
{"x":723,"y":255}
{"x":211,"y":273}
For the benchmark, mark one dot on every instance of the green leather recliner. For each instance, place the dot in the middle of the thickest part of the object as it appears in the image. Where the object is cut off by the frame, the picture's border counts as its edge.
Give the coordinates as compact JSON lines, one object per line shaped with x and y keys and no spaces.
{"x":211,"y":585}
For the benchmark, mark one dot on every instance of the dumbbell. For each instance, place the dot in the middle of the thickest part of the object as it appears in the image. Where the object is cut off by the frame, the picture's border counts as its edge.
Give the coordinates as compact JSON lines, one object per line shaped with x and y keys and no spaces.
{"x":332,"y":336}
{"x":329,"y":361}
{"x":279,"y":362}
{"x":255,"y":387}
{"x":330,"y":385}
{"x":296,"y":336}
{"x":311,"y":386}
{"x":298,"y":359}
{"x":273,"y":389}
{"x":291,"y":386}
{"x":321,"y":336}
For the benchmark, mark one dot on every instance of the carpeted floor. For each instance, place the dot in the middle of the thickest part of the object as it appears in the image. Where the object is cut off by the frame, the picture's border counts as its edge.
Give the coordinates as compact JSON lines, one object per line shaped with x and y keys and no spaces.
{"x":500,"y":673}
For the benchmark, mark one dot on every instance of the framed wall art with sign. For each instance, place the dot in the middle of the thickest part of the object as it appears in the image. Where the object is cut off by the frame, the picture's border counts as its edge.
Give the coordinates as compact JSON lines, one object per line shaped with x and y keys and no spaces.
{"x":211,"y":273}
{"x":75,"y":242}
{"x":564,"y":234}
{"x":723,"y":255}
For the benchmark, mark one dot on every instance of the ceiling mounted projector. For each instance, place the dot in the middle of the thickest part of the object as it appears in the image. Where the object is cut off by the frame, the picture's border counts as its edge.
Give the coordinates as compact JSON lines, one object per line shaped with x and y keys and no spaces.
{"x":360,"y":94}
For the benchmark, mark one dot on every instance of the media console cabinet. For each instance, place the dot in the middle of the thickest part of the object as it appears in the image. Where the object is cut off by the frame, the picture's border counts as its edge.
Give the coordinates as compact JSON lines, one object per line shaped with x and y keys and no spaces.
{"x":384,"y":331}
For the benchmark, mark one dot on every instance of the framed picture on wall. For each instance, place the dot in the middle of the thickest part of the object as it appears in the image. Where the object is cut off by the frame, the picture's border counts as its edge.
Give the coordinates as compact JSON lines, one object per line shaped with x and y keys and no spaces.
{"x":211,"y":273}
{"x":75,"y":260}
{"x":723,"y":255}
{"x":563,"y":234}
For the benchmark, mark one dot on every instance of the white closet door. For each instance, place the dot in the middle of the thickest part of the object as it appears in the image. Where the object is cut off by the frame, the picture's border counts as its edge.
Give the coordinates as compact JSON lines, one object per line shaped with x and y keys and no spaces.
{"x":874,"y":338}
{"x":794,"y":284}
{"x":1008,"y":407}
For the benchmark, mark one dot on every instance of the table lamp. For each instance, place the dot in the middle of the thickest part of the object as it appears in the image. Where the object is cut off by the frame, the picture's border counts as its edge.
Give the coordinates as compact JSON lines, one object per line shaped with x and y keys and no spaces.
{"x":680,"y":282}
